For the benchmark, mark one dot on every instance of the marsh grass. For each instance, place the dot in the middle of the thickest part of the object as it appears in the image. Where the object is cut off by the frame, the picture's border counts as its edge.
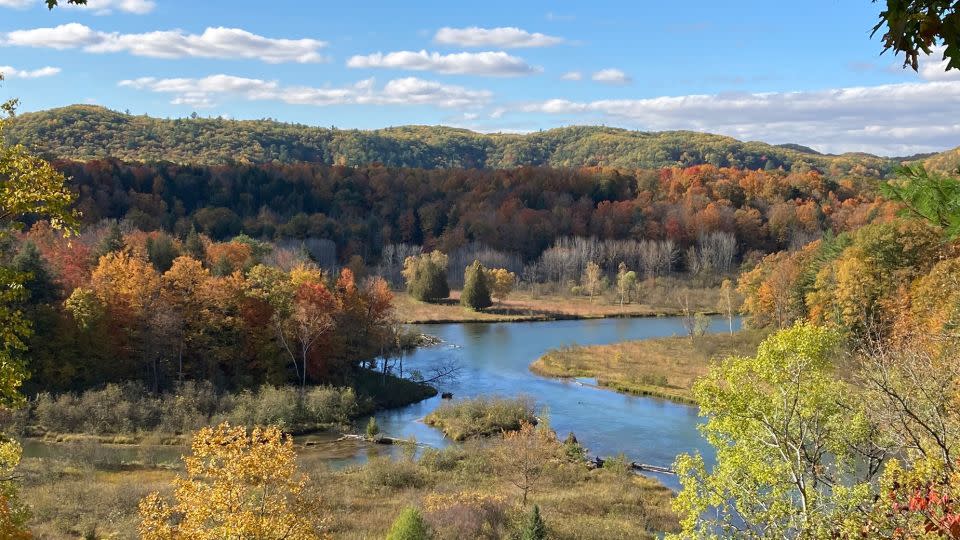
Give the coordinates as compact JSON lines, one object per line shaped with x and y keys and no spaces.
{"x":481,"y":417}
{"x":664,"y":367}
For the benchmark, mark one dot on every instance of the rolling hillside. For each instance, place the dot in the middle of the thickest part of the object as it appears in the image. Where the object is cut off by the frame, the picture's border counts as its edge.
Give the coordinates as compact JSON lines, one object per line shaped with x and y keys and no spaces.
{"x":86,"y":132}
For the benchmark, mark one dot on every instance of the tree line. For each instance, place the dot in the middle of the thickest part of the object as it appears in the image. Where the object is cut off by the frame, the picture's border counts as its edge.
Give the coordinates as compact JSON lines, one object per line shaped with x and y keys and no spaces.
{"x":522,"y":211}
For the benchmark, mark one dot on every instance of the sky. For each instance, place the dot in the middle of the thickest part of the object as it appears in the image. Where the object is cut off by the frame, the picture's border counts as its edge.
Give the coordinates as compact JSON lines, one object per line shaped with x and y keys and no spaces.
{"x":779,"y":72}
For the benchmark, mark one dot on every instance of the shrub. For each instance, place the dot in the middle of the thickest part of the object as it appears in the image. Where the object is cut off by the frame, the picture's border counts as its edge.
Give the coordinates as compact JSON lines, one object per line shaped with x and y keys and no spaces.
{"x":534,"y":528}
{"x":372,"y":428}
{"x":468,"y":515}
{"x":409,"y":526}
{"x":384,"y":472}
{"x":481,"y":417}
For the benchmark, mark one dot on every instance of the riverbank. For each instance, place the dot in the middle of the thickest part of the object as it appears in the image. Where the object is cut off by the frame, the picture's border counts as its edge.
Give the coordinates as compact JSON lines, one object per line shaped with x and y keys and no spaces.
{"x":464,"y":491}
{"x":663,"y":367}
{"x":524,"y":306}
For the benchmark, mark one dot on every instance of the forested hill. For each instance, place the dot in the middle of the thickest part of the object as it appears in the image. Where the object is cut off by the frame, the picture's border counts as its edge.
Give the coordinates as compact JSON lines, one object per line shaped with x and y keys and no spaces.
{"x":945,"y":162}
{"x":85,"y":132}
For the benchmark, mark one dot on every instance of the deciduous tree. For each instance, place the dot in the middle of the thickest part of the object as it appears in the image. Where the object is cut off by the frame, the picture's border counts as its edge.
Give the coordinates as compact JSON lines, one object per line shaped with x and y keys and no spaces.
{"x":237,"y":485}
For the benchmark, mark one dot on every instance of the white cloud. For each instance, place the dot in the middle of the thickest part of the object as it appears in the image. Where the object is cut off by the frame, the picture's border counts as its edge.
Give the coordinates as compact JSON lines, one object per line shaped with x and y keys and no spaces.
{"x":227,"y":43}
{"x":16,"y":4}
{"x":200,"y":93}
{"x":572,"y":76}
{"x":933,"y":67}
{"x":10,"y":72}
{"x":505,"y":37}
{"x":98,"y":7}
{"x":105,"y":7}
{"x":498,"y":64}
{"x":893,"y":119}
{"x":611,"y":76}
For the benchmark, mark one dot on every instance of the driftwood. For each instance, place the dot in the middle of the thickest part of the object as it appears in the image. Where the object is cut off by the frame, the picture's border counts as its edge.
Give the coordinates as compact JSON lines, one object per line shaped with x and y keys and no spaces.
{"x":597,"y":462}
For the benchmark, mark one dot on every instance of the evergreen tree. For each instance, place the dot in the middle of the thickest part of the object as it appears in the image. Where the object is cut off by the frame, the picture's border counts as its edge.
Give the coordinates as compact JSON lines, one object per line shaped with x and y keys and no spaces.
{"x":36,"y":277}
{"x":113,"y":241}
{"x":193,"y":245}
{"x":476,"y":292}
{"x":533,"y":527}
{"x":161,"y":251}
{"x":409,"y":526}
{"x":426,"y":276}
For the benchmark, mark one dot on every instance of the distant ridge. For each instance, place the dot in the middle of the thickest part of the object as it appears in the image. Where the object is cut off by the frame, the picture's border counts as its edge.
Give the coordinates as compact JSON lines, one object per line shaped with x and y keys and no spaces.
{"x":86,"y":132}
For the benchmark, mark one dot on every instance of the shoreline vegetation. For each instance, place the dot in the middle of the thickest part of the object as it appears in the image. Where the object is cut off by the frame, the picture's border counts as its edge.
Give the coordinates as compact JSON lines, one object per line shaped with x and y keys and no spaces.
{"x":128,"y":414}
{"x":528,"y":306}
{"x":663,"y":367}
{"x":481,"y":417}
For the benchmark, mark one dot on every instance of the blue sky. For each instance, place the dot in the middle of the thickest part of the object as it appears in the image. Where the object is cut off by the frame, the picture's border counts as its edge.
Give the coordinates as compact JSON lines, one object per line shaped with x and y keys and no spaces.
{"x":754,"y":70}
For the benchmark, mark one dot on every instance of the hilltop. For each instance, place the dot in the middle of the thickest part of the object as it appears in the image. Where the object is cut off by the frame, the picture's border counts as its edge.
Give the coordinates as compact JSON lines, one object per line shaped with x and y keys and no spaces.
{"x":86,"y":132}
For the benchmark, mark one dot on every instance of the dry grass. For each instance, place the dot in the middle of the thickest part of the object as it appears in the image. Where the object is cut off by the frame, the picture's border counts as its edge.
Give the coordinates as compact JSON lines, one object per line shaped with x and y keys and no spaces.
{"x":658,"y":299}
{"x":481,"y":417}
{"x":458,"y":489}
{"x":665,"y":367}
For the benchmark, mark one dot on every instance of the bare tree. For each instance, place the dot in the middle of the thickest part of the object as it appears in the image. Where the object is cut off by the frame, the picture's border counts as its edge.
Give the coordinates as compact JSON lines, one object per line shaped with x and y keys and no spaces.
{"x":523,"y":455}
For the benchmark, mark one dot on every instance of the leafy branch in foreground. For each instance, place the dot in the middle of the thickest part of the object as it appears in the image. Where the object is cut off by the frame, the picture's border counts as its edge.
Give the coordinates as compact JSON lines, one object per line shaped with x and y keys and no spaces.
{"x":927,"y":195}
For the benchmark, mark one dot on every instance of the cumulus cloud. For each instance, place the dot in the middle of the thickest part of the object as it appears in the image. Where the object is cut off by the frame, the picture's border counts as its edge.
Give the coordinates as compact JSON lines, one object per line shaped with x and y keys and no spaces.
{"x":226,"y":43}
{"x":572,"y":76}
{"x":497,"y":64}
{"x":204,"y":92}
{"x":611,"y":76}
{"x":17,"y":4}
{"x":105,"y":7}
{"x":10,"y":72}
{"x":933,"y":67}
{"x":504,"y":37}
{"x":893,"y":119}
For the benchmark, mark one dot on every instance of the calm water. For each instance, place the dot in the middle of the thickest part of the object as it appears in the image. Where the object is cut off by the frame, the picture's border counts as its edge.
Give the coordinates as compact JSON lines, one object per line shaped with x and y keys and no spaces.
{"x":494,"y":359}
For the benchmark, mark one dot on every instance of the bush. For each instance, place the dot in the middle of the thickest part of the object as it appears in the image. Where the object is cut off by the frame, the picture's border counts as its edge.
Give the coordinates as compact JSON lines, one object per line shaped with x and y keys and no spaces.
{"x":468,"y":515}
{"x":534,"y":528}
{"x":384,"y":472}
{"x":409,"y":526}
{"x":481,"y":417}
{"x":372,"y":428}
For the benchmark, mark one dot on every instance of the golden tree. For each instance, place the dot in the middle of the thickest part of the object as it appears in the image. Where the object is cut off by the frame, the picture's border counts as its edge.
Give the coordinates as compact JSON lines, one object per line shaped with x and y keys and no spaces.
{"x":238,"y":485}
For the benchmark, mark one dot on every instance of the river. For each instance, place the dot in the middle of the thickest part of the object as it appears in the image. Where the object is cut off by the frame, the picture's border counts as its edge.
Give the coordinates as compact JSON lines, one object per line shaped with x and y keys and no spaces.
{"x":494,"y":359}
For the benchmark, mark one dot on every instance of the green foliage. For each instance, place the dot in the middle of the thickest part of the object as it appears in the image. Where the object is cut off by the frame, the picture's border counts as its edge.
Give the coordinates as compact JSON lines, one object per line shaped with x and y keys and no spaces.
{"x":914,"y":27}
{"x":481,"y":417}
{"x":476,"y":291}
{"x":110,"y":243}
{"x":409,"y":526}
{"x":790,"y":442}
{"x":95,"y":132}
{"x":533,"y":526}
{"x":426,"y":276}
{"x":927,"y":195}
{"x":373,"y":429}
{"x":162,"y":251}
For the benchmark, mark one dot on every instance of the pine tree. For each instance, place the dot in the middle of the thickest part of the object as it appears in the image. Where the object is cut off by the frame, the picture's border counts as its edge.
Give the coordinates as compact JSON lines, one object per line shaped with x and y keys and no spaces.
{"x":476,"y":292}
{"x":409,"y":526}
{"x":110,"y":243}
{"x":193,"y":245}
{"x":534,"y":528}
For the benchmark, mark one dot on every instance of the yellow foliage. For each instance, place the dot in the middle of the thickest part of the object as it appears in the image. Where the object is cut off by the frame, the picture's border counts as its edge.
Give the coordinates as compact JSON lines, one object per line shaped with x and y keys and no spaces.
{"x":238,"y":485}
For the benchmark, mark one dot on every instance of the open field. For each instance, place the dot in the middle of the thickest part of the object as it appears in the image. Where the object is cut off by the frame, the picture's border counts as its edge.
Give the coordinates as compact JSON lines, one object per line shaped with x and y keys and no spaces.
{"x":665,"y":367}
{"x":528,"y":306}
{"x":91,"y":495}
